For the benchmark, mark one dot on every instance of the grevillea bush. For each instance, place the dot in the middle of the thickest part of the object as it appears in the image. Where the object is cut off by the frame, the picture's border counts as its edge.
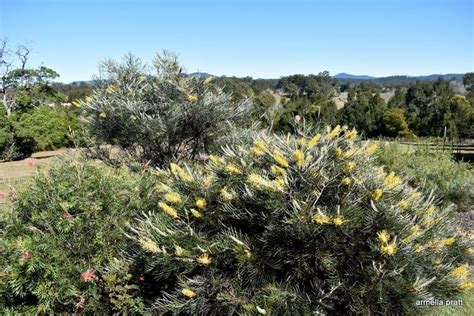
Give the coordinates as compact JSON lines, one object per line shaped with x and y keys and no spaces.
{"x":155,"y":116}
{"x":63,"y":228}
{"x":295,"y":226}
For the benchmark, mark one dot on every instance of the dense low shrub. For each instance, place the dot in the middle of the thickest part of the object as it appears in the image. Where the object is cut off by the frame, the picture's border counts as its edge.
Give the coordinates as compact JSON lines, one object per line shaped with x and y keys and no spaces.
{"x":64,"y":227}
{"x":12,"y":145}
{"x":295,"y":226}
{"x":154,"y":117}
{"x":431,"y":169}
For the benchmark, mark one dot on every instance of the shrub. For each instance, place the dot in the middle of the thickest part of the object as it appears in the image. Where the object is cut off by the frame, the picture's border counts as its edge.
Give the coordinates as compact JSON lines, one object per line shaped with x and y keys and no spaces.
{"x":12,"y":145}
{"x":295,"y":226}
{"x":64,"y":227}
{"x":395,"y":124}
{"x":154,"y":118}
{"x":48,"y":128}
{"x":432,"y":169}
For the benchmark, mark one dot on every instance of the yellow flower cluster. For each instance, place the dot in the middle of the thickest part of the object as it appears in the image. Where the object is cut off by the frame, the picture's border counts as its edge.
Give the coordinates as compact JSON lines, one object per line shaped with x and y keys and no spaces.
{"x":386,"y":248}
{"x":258,"y":148}
{"x":322,"y":219}
{"x":168,"y":209}
{"x":449,"y":241}
{"x":180,"y":251}
{"x":349,"y":166}
{"x":231,"y":168}
{"x":103,"y":115}
{"x":391,"y":181}
{"x":192,"y":98}
{"x":277,"y":171}
{"x":188,"y":293}
{"x":349,"y":153}
{"x":149,"y":245}
{"x":226,"y":195}
{"x":196,"y":213}
{"x":461,"y":272}
{"x":178,"y":171}
{"x":313,"y":141}
{"x":259,"y":182}
{"x":338,"y":152}
{"x":377,"y":194}
{"x":335,"y":132}
{"x":371,"y":148}
{"x":346,"y":181}
{"x":204,"y":259}
{"x":280,"y":159}
{"x":404,"y":204}
{"x":350,"y":135}
{"x":111,"y":89}
{"x":201,"y":203}
{"x":173,"y":197}
{"x":298,"y":155}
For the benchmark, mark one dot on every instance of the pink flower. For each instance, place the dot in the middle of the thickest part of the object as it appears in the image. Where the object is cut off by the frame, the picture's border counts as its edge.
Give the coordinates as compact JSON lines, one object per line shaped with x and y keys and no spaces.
{"x":88,"y":276}
{"x":67,"y":216}
{"x":2,"y":195}
{"x":203,"y":157}
{"x":25,"y":255}
{"x":32,"y":163}
{"x":80,"y":304}
{"x":141,"y":277}
{"x":297,"y":119}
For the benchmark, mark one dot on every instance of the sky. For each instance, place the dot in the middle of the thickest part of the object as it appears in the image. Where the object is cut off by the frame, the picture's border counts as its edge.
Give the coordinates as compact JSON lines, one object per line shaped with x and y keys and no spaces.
{"x":258,"y":38}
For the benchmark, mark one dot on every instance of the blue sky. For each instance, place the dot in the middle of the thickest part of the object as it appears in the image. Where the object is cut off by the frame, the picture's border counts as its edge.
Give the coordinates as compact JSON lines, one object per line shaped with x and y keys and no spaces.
{"x":263,"y":39}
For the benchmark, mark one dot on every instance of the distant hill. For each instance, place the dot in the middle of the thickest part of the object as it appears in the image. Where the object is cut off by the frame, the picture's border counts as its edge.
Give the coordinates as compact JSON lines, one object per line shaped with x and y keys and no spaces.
{"x":394,"y":80}
{"x":201,"y":74}
{"x":344,"y":75}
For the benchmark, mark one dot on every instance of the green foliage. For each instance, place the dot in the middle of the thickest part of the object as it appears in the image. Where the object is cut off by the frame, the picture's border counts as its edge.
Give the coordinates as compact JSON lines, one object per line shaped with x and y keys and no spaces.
{"x":395,"y":124}
{"x":432,"y":169}
{"x":298,"y":85}
{"x":294,"y":226}
{"x":12,"y":145}
{"x":63,"y":228}
{"x":156,"y":118}
{"x":49,"y":128}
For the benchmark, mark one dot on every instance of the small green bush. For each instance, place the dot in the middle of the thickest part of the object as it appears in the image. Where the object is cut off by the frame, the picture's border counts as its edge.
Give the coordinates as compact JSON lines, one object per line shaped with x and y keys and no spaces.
{"x":64,"y":227}
{"x":155,"y":117}
{"x":12,"y":145}
{"x":295,"y":226}
{"x":49,"y":128}
{"x":431,"y":169}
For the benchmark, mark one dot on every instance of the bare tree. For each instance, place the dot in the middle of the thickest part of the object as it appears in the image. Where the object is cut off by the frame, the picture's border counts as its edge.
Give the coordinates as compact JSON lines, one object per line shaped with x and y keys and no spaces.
{"x":7,"y":65}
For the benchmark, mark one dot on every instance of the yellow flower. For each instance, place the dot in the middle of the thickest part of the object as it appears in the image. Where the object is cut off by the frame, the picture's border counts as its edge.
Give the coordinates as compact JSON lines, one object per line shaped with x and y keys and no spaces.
{"x":258,"y":148}
{"x":226,"y":195}
{"x":437,"y":261}
{"x":377,"y":194}
{"x":111,"y":89}
{"x":388,"y":249}
{"x":278,"y":184}
{"x":449,"y":241}
{"x":88,"y":99}
{"x":391,"y":181}
{"x":208,"y":79}
{"x":201,"y":203}
{"x":349,"y":166}
{"x":192,"y":98}
{"x":177,"y":170}
{"x":338,"y":220}
{"x":298,"y":155}
{"x":204,"y":259}
{"x":346,"y":181}
{"x":261,"y":310}
{"x":149,"y":245}
{"x":302,"y":142}
{"x":76,"y":104}
{"x":196,"y":213}
{"x":254,"y":151}
{"x":466,"y":286}
{"x":350,"y":135}
{"x":180,"y":251}
{"x":335,"y":132}
{"x":349,"y":153}
{"x":404,"y":204}
{"x":429,"y":210}
{"x":321,"y":218}
{"x":215,"y":159}
{"x":188,"y":293}
{"x":314,"y":141}
{"x":277,"y":170}
{"x":383,"y":236}
{"x":208,"y":180}
{"x":160,"y":187}
{"x":231,"y":168}
{"x":461,"y":272}
{"x":280,"y":159}
{"x":469,"y":251}
{"x":371,"y":149}
{"x":416,"y":194}
{"x":260,"y":144}
{"x":173,"y":197}
{"x":338,"y":152}
{"x":103,"y":114}
{"x":168,"y":209}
